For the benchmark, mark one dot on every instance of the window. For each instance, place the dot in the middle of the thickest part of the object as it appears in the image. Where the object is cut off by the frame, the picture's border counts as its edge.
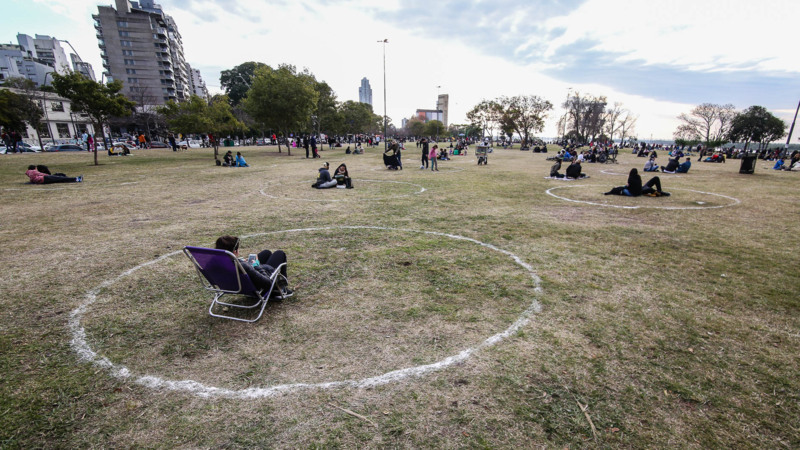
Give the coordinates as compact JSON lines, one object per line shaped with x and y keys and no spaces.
{"x":122,"y":23}
{"x":63,"y":130}
{"x":125,"y":43}
{"x":123,"y":34}
{"x":133,"y":80}
{"x":130,"y":71}
{"x":130,"y":62}
{"x":82,"y":128}
{"x":57,"y":106}
{"x":127,"y":53}
{"x":44,"y":131}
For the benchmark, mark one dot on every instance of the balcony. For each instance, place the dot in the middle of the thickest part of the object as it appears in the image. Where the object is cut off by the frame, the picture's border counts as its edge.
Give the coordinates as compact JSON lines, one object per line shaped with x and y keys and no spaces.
{"x":101,"y":43}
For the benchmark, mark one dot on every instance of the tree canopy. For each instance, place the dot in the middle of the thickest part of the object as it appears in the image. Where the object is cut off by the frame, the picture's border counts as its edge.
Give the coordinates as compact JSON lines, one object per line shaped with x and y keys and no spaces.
{"x":99,"y":101}
{"x":707,"y":123}
{"x":756,"y":124}
{"x":237,"y":81}
{"x":281,"y":99}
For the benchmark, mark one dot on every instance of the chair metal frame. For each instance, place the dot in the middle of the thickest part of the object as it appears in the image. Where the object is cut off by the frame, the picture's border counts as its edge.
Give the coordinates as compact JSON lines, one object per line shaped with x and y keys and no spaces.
{"x":243,"y":286}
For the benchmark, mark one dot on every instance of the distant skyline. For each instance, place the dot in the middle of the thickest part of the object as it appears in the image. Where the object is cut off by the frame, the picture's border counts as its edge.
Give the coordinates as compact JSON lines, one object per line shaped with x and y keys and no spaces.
{"x":658,"y":58}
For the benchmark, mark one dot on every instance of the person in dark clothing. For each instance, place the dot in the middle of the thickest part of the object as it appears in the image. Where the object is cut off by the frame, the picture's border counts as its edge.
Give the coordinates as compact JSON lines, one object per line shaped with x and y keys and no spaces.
{"x":306,"y":145}
{"x":634,"y":187}
{"x":324,"y":180}
{"x":172,"y":143}
{"x":314,"y":147}
{"x":574,"y":170}
{"x":259,"y":272}
{"x":425,"y":151}
{"x":554,"y":170}
{"x":672,"y":165}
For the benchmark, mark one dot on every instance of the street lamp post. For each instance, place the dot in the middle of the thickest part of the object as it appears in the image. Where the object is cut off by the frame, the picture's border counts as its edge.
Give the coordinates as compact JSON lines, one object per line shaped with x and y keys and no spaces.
{"x":791,"y":130}
{"x":44,"y":107}
{"x":385,"y":137}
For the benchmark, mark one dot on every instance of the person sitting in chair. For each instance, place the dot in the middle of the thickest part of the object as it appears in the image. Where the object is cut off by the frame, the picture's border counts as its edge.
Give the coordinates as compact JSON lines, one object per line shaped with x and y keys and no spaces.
{"x":324,"y":180}
{"x":258,"y":271}
{"x":342,"y":177}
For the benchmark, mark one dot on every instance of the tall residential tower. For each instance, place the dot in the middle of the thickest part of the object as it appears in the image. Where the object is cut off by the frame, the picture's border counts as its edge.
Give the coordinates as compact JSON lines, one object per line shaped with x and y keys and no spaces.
{"x":141,"y":47}
{"x":365,"y":92}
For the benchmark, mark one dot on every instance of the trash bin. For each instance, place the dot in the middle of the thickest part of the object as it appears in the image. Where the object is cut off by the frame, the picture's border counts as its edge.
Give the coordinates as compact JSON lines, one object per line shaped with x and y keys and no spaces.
{"x":748,"y":163}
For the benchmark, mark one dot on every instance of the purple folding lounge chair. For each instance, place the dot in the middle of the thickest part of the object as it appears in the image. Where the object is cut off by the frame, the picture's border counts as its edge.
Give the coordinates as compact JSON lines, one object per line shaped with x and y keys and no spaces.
{"x":221,"y":273}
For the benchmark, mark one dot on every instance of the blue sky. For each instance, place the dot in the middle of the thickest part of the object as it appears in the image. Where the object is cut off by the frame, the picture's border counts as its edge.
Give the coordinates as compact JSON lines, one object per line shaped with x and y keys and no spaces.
{"x":657,"y":58}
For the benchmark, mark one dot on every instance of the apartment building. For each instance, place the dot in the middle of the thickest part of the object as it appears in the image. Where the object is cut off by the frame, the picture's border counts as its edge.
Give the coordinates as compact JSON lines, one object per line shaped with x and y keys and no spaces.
{"x":141,"y":46}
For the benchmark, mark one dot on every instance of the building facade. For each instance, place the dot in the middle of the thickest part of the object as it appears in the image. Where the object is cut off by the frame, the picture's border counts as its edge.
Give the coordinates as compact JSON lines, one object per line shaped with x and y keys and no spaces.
{"x":140,"y":46}
{"x":365,"y":92}
{"x":34,"y":57}
{"x":196,"y":84}
{"x":60,"y":125}
{"x":442,"y":104}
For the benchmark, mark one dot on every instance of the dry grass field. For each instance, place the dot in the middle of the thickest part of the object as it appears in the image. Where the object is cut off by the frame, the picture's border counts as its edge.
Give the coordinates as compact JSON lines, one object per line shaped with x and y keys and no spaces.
{"x":479,"y":306}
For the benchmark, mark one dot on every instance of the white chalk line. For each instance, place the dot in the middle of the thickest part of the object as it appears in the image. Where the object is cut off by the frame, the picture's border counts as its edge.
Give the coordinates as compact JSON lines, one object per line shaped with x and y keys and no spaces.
{"x":413,"y":168}
{"x":85,"y":353}
{"x":355,"y":180}
{"x":736,"y":201}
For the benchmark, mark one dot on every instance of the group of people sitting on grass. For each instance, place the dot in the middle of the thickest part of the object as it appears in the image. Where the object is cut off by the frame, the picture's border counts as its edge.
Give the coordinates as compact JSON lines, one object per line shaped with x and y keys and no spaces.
{"x":341,"y":178}
{"x":230,"y":161}
{"x":794,"y":163}
{"x":574,"y":170}
{"x":674,"y":165}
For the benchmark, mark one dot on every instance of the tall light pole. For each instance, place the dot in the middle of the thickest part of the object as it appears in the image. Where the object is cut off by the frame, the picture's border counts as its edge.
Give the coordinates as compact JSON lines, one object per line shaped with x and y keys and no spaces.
{"x":385,"y":138}
{"x":791,"y":130}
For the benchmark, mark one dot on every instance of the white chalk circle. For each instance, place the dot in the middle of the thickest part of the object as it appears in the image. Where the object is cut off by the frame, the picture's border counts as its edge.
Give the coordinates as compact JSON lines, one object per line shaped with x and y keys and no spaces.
{"x":346,"y":193}
{"x":734,"y":201}
{"x":85,"y":352}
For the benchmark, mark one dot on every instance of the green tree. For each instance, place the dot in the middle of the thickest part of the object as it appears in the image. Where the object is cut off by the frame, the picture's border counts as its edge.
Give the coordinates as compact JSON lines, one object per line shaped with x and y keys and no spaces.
{"x":27,"y":106}
{"x":12,"y":116}
{"x":237,"y":81}
{"x":526,"y":115}
{"x":357,"y":118}
{"x":434,"y":128}
{"x":756,"y":124}
{"x":415,"y":127}
{"x":223,"y":121}
{"x":281,"y":100}
{"x":485,"y":115}
{"x":187,"y":117}
{"x":99,"y":101}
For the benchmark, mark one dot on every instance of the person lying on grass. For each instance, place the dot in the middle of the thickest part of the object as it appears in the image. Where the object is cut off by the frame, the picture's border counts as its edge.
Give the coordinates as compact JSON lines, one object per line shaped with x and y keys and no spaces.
{"x":634,"y":187}
{"x":259,"y":272}
{"x":38,"y":177}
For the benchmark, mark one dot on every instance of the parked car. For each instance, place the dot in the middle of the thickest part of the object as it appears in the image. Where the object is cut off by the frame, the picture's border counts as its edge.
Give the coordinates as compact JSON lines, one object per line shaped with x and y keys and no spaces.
{"x":22,"y":147}
{"x":189,"y":144}
{"x":66,"y":148}
{"x":157,"y":144}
